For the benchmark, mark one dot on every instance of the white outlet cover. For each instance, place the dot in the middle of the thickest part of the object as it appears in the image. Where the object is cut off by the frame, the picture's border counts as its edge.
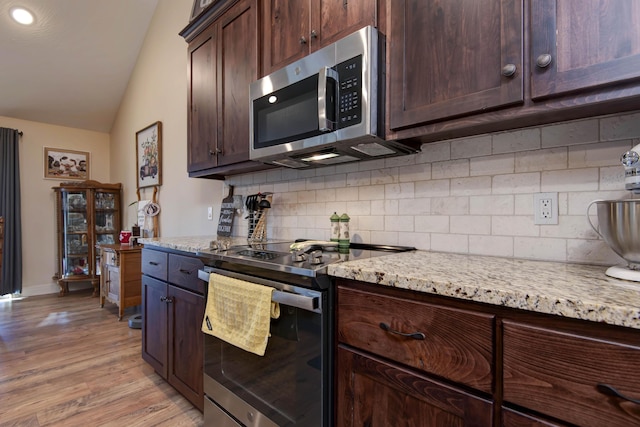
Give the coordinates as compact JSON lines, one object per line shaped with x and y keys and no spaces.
{"x":538,"y":207}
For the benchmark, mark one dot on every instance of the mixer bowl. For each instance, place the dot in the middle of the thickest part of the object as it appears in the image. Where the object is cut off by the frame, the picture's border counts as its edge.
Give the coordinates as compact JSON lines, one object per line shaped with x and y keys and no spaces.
{"x":619,"y":226}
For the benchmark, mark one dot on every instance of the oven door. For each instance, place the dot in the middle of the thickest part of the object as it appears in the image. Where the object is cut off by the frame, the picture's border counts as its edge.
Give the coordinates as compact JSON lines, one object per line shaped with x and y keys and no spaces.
{"x":289,"y":385}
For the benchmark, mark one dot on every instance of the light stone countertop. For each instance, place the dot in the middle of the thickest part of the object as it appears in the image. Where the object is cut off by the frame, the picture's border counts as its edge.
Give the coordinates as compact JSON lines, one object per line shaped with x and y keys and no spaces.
{"x":570,"y":290}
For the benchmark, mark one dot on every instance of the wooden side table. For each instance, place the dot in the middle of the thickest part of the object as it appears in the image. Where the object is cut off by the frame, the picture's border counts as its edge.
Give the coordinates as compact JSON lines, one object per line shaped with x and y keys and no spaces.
{"x":120,"y":278}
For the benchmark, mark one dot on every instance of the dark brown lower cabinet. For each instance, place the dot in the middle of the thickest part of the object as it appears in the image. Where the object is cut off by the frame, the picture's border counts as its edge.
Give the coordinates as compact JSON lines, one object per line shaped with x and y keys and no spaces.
{"x":373,"y":392}
{"x":172,"y":312}
{"x":511,"y":418}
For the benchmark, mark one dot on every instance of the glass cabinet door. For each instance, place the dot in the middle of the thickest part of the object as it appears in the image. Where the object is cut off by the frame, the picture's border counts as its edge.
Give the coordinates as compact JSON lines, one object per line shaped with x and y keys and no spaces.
{"x":107,"y":217}
{"x":75,"y":251}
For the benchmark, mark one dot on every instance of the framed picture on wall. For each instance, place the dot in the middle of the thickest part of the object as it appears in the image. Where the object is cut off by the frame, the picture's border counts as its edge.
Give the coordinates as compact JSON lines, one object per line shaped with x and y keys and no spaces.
{"x":66,"y":164}
{"x":199,"y":6}
{"x":149,"y":155}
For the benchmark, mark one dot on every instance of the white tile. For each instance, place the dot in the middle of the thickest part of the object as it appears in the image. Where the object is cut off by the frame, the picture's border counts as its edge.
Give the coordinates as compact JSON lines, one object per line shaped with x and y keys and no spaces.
{"x":516,"y":140}
{"x":371,"y":192}
{"x":339,"y":207}
{"x":523,"y":204}
{"x":370,"y":165}
{"x":315,"y":183}
{"x":450,"y":169}
{"x":455,"y":243}
{"x":491,"y":205}
{"x":359,"y":208}
{"x":579,"y":202}
{"x":516,"y":183}
{"x":347,"y":193}
{"x":492,"y":165}
{"x":514,"y":226}
{"x":274,"y":175}
{"x":570,"y":133}
{"x":470,"y":224}
{"x":570,"y":180}
{"x":600,"y":154}
{"x":400,"y":161}
{"x":356,"y":179}
{"x":592,"y":252}
{"x":398,"y":223}
{"x":420,"y":206}
{"x":411,"y":173}
{"x":491,"y":245}
{"x":280,"y":187}
{"x":541,"y":249}
{"x":384,"y":237}
{"x":297,"y":185}
{"x":404,"y":190}
{"x":361,"y":236}
{"x":433,"y":188}
{"x":465,"y":148}
{"x":434,"y":152}
{"x":541,"y":160}
{"x":338,"y":180}
{"x":450,"y":205}
{"x":372,"y":223}
{"x":420,"y":241}
{"x":611,"y":178}
{"x":623,"y":126}
{"x":326,"y":195}
{"x":307,"y":196}
{"x":384,"y":176}
{"x":431,"y":223}
{"x":385,"y":207}
{"x":471,"y":186}
{"x":568,"y":227}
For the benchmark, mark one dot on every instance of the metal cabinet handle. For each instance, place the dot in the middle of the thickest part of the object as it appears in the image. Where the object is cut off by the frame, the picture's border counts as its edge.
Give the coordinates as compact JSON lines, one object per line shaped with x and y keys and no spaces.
{"x":303,"y":40}
{"x":153,"y":263}
{"x":543,"y":60}
{"x":414,"y":335}
{"x":163,"y":299}
{"x":509,"y":70}
{"x":314,"y":35}
{"x":168,"y":300}
{"x":608,"y":390}
{"x":182,"y":270}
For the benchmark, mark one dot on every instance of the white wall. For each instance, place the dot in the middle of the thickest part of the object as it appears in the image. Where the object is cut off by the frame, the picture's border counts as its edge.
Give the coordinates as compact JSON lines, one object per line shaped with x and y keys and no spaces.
{"x":157,"y":91}
{"x":471,"y":195}
{"x":39,"y":250}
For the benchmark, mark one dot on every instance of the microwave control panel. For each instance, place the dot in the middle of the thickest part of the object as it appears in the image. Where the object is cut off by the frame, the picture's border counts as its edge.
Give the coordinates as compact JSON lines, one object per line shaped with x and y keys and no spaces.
{"x":350,"y":92}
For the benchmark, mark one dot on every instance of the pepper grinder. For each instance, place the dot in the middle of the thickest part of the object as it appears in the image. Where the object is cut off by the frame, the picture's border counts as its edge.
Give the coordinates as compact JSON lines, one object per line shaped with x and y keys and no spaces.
{"x":335,"y":227}
{"x":344,"y":237}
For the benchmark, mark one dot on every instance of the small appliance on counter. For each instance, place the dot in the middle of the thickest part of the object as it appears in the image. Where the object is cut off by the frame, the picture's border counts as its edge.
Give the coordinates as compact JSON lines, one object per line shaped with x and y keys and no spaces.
{"x":619,"y":221}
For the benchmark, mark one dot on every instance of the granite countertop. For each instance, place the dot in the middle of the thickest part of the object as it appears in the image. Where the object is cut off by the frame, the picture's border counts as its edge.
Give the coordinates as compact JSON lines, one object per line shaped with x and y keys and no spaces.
{"x":570,"y":290}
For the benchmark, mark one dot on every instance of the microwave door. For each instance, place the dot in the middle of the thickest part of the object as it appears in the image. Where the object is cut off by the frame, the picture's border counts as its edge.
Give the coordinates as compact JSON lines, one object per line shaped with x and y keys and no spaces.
{"x":327,"y":96}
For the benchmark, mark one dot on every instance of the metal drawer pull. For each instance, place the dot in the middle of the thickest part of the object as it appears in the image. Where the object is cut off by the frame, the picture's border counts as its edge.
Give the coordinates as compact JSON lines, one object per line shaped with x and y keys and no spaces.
{"x":414,"y":335}
{"x":608,"y":390}
{"x":182,"y":270}
{"x":168,"y":300}
{"x":153,"y":263}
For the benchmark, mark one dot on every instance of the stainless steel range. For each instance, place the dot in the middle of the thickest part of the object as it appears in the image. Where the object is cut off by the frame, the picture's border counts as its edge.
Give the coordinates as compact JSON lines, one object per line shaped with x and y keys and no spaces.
{"x":291,"y":384}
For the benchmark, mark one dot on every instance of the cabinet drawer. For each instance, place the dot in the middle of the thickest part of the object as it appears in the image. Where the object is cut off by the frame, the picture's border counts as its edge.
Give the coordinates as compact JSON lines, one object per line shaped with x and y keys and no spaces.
{"x":511,"y":418}
{"x":154,"y":263}
{"x":110,"y":258}
{"x":457,"y":344}
{"x":557,"y":374}
{"x":183,"y":271}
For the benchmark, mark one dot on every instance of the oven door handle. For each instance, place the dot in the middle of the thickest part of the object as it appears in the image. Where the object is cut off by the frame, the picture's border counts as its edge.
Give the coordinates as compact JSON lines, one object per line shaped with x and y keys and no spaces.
{"x":303,"y":302}
{"x":326,"y":73}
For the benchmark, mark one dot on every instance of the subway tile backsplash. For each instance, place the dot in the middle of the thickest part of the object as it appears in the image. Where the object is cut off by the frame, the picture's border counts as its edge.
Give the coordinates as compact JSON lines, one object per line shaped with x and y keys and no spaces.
{"x":468,"y":195}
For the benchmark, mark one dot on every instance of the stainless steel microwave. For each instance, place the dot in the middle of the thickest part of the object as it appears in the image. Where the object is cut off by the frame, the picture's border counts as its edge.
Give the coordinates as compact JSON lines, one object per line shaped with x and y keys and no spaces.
{"x":325,"y":109}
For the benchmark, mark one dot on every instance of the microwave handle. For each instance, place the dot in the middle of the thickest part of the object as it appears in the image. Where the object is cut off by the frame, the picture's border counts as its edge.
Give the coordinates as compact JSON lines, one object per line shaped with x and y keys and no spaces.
{"x":325,"y":73}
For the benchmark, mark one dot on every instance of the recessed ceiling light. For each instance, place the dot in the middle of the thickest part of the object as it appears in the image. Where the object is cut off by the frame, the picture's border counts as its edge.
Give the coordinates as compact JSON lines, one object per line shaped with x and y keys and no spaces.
{"x":22,"y":16}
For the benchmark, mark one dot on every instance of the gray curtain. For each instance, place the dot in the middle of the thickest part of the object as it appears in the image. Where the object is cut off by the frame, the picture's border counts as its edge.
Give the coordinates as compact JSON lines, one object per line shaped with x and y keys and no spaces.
{"x":11,"y":280}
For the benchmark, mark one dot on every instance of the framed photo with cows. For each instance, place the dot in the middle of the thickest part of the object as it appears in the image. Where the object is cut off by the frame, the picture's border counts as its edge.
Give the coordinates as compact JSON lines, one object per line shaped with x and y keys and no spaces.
{"x":66,"y":164}
{"x":149,"y":156}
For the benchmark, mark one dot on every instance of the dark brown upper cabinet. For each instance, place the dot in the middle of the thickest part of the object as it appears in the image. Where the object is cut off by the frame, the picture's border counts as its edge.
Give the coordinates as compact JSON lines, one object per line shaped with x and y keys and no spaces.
{"x":453,"y":58}
{"x":293,"y":29}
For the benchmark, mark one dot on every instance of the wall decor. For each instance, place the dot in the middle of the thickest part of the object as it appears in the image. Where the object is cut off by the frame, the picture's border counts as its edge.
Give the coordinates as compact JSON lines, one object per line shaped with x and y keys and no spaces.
{"x":65,"y":164}
{"x":199,"y":6}
{"x":149,"y":155}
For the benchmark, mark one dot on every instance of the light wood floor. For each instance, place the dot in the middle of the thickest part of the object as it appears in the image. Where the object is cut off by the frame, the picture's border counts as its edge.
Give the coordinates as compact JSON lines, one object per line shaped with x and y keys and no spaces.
{"x":64,"y":361}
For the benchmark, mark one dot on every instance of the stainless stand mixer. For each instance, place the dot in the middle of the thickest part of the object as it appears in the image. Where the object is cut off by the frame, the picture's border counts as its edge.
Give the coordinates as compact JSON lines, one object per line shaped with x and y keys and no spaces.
{"x":619,"y":221}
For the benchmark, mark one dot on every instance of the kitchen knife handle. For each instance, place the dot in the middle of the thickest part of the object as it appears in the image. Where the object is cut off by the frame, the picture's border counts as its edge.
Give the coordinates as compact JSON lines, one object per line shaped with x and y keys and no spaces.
{"x":414,"y":335}
{"x":608,"y":390}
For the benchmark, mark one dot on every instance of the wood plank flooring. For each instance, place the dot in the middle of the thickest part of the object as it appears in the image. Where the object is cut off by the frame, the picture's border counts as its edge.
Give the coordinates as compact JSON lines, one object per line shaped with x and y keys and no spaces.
{"x":64,"y":361}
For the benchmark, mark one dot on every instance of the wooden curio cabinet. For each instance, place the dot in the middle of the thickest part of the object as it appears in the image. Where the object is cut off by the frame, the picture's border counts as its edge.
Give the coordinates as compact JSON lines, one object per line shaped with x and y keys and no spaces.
{"x":87,"y":214}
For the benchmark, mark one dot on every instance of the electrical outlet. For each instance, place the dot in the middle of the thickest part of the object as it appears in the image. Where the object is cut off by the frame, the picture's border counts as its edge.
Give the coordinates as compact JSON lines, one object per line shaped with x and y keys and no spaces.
{"x":545,"y":208}
{"x":210,"y":213}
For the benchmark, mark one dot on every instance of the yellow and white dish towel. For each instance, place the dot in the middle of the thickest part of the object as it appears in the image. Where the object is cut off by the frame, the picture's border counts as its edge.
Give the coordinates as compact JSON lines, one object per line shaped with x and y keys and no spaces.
{"x":239,"y":313}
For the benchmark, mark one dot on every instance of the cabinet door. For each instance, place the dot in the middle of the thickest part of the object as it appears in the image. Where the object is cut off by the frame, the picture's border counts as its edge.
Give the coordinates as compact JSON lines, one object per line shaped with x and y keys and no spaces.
{"x":333,"y":19}
{"x":447,"y":58}
{"x":237,"y":68}
{"x":112,"y":282}
{"x":589,"y":43}
{"x":511,"y":418}
{"x":202,"y":113}
{"x":286,"y":32}
{"x":373,"y":392}
{"x":154,"y":324}
{"x":186,"y":344}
